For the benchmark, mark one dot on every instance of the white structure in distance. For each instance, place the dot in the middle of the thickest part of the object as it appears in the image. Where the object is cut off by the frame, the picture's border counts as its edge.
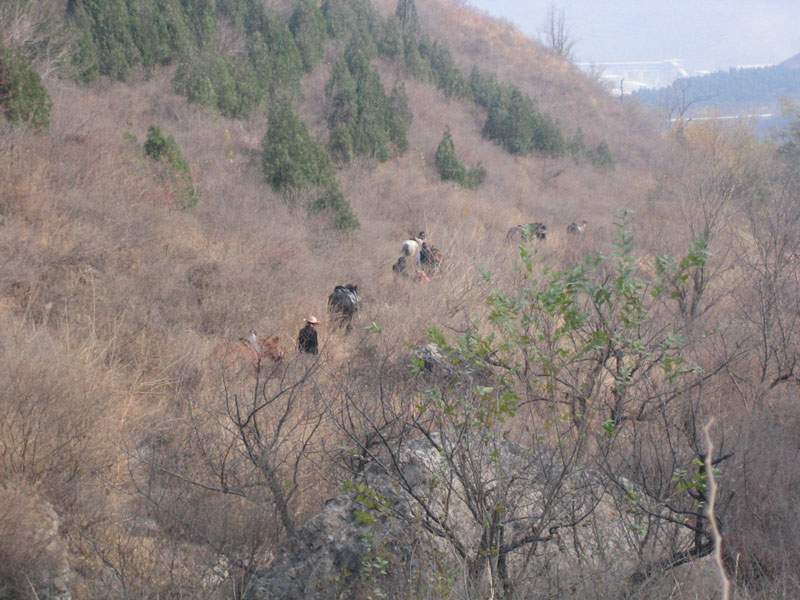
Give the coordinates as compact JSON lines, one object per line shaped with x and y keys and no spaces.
{"x":628,"y":77}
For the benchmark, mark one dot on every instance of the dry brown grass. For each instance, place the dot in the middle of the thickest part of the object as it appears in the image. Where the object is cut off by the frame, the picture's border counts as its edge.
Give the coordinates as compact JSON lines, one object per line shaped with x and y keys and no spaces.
{"x":112,"y":300}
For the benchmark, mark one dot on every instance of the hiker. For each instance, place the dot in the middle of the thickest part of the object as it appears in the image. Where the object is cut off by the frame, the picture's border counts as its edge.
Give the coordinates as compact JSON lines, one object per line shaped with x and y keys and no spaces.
{"x":413,"y":246}
{"x":343,"y":304}
{"x":307,"y":338}
{"x":430,"y":258}
{"x":261,"y":348}
{"x":420,"y":239}
{"x":400,"y":266}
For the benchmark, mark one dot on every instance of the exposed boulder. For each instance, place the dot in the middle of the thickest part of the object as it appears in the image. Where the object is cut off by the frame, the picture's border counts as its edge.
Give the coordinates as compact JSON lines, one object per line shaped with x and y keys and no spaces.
{"x":353,"y":547}
{"x":372,"y":536}
{"x":33,"y":555}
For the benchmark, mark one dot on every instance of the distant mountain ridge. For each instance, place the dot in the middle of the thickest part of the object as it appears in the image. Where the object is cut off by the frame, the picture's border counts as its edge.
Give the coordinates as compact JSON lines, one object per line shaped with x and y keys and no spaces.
{"x":738,"y":91}
{"x":791,"y":63}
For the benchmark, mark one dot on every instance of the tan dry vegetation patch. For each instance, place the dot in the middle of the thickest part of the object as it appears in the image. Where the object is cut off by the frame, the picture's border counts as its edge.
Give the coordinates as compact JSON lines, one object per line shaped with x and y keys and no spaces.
{"x":497,"y":46}
{"x":133,"y":295}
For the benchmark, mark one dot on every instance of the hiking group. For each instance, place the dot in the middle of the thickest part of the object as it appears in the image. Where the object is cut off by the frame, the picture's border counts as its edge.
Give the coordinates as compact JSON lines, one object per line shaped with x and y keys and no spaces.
{"x":419,"y":261}
{"x":344,"y":302}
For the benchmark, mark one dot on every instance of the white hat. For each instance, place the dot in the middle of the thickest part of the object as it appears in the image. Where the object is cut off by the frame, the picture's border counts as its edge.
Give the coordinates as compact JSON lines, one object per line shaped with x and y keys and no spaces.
{"x":312,"y":319}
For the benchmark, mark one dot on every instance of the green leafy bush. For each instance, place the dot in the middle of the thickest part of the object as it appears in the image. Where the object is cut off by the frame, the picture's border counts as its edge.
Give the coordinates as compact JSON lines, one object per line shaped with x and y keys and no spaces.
{"x":23,"y":98}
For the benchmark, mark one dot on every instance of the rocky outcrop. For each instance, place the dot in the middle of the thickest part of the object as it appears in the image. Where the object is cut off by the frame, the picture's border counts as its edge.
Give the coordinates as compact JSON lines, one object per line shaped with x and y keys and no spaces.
{"x":359,"y":545}
{"x":33,"y":556}
{"x":371,"y":538}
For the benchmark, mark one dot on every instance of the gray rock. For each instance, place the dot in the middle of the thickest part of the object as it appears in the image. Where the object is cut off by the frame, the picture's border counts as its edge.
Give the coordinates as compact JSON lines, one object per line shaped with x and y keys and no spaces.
{"x":370,"y":538}
{"x":355,"y":543}
{"x":29,"y":518}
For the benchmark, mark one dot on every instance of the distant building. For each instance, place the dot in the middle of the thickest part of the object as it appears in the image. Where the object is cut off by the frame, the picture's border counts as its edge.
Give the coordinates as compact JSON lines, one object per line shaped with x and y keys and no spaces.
{"x":628,"y":77}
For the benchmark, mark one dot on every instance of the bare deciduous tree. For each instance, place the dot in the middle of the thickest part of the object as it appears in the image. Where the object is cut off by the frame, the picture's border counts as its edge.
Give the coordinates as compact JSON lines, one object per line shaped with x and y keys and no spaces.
{"x":555,"y":32}
{"x":250,"y":444}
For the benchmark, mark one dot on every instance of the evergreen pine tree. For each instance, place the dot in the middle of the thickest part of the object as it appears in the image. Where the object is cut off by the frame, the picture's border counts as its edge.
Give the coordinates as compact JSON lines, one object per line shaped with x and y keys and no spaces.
{"x":341,"y":144}
{"x":370,"y":131}
{"x":450,"y":168}
{"x":363,"y":121}
{"x":576,"y":145}
{"x":400,"y":117}
{"x":406,"y":12}
{"x":307,"y":25}
{"x":415,"y":63}
{"x":516,"y":124}
{"x":285,"y":64}
{"x":447,"y":163}
{"x":601,"y":157}
{"x":291,"y":158}
{"x":331,"y":201}
{"x":160,"y":30}
{"x":111,"y":27}
{"x":547,"y":136}
{"x":201,"y":17}
{"x":343,"y":108}
{"x":390,"y":43}
{"x":293,"y":161}
{"x":23,"y":98}
{"x":353,"y":19}
{"x":446,"y":74}
{"x":342,"y":96}
{"x":484,"y":89}
{"x":193,"y":80}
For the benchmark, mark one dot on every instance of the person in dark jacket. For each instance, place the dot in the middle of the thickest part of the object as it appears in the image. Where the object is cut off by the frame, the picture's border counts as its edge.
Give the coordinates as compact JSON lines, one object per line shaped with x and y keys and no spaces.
{"x":307,"y":338}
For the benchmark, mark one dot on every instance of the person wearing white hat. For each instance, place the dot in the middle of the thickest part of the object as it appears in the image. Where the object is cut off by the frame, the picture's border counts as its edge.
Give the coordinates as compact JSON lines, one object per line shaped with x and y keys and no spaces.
{"x":307,"y":338}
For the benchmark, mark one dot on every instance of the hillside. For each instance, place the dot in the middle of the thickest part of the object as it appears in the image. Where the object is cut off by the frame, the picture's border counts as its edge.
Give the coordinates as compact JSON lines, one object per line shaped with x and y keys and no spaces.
{"x":745,"y":91}
{"x":390,"y":199}
{"x":173,"y":175}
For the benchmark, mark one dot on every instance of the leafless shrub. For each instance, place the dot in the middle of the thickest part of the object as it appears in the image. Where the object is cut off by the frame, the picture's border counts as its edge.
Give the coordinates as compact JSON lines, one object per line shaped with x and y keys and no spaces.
{"x":112,"y":302}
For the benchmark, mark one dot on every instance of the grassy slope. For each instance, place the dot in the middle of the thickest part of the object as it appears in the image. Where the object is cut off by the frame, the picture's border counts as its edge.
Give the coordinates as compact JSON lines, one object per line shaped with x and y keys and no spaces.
{"x":122,"y":286}
{"x":268,"y":255}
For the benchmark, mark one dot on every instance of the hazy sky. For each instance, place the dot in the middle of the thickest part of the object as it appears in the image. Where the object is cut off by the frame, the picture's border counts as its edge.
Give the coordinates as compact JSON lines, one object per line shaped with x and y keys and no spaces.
{"x":704,"y":34}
